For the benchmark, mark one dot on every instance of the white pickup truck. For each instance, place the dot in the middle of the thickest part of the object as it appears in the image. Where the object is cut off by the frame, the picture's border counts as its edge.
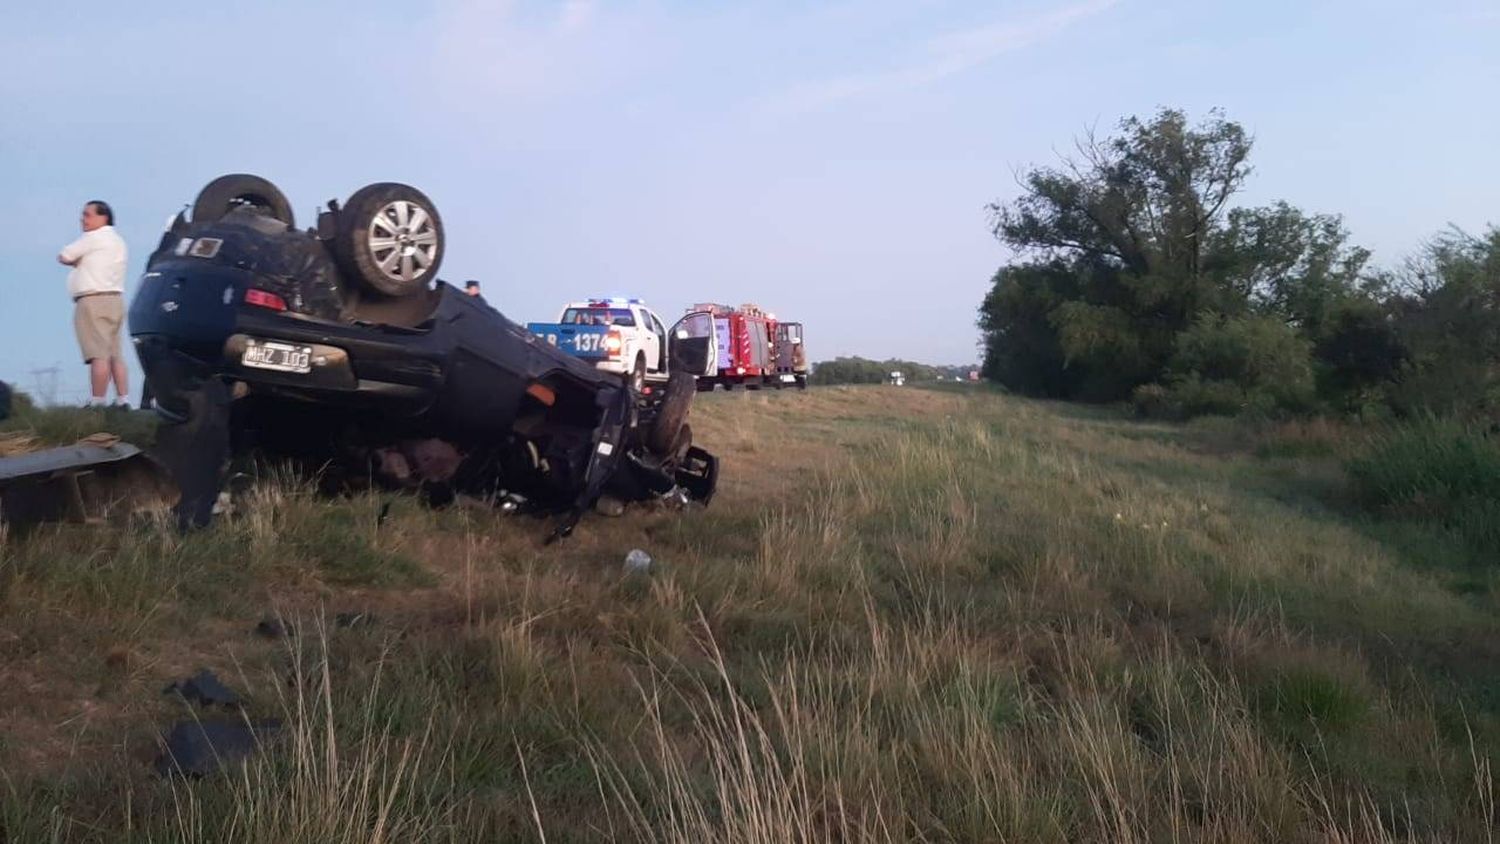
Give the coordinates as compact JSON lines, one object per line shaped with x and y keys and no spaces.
{"x":616,"y":335}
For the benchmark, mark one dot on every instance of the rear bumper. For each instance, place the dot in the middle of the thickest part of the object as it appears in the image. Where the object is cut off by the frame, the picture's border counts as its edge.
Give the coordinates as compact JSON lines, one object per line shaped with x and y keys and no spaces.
{"x":347,"y":370}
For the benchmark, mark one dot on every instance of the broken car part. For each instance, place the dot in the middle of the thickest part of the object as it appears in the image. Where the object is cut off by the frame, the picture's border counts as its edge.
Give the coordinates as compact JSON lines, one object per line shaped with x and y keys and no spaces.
{"x":197,"y":748}
{"x":87,"y":481}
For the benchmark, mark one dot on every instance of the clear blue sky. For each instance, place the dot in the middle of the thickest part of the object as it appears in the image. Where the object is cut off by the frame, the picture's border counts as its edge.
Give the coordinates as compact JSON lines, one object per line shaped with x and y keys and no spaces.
{"x":829,"y":160}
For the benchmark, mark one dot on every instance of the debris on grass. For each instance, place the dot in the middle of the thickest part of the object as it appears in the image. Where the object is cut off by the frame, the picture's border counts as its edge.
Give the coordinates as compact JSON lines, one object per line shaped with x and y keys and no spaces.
{"x":273,"y":627}
{"x":204,"y":689}
{"x":637,"y":561}
{"x":198,"y":748}
{"x":608,"y":505}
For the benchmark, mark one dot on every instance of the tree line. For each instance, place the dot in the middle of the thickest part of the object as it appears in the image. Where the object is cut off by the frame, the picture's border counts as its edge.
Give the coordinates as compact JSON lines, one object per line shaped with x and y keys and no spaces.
{"x":858,"y":370}
{"x":1137,"y":278}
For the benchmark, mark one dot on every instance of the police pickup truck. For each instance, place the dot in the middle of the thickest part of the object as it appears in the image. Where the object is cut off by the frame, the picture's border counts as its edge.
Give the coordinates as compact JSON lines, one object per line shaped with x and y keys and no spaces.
{"x":616,"y":335}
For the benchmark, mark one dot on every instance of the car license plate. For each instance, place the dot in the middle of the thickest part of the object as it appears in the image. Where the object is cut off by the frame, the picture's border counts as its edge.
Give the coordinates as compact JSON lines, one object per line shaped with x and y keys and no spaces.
{"x":787,"y":379}
{"x":280,"y":357}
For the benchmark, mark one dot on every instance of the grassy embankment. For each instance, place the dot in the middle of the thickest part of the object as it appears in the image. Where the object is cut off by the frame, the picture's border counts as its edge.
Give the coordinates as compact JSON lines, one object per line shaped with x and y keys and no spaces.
{"x":910,"y":615}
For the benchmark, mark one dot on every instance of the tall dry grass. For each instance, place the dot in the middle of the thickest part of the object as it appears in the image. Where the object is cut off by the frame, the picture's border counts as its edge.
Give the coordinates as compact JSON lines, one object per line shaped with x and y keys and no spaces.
{"x":323,"y":779}
{"x":909,"y":617}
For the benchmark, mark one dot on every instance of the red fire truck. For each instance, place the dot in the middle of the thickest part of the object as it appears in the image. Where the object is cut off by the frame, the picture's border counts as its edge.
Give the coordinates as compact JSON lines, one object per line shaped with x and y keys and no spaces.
{"x":754,"y":349}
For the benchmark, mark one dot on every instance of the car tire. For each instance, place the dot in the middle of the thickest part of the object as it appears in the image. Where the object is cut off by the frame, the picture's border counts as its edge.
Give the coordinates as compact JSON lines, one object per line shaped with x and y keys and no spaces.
{"x":801,"y":383}
{"x":681,"y":447}
{"x":389,"y":239}
{"x":638,"y":376}
{"x":671,"y":414}
{"x":237,"y":190}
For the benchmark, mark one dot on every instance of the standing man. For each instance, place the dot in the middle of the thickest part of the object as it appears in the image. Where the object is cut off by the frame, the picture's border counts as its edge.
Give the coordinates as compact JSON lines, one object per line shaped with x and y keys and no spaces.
{"x":471,"y":287}
{"x":97,"y":285}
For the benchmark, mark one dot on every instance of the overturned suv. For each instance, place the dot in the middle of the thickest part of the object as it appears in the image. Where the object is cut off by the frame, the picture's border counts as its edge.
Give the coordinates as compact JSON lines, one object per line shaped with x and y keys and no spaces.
{"x":339,"y":349}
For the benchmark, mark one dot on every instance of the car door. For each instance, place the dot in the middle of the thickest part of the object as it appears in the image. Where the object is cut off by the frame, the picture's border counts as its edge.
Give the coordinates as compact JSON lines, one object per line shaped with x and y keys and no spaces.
{"x":657,"y":361}
{"x":693,"y":344}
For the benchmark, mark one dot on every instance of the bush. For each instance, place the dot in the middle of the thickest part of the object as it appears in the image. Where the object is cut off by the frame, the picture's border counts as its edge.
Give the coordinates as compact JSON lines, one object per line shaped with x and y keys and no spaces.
{"x":1438,"y":470}
{"x":1233,"y":365}
{"x":1428,"y":466}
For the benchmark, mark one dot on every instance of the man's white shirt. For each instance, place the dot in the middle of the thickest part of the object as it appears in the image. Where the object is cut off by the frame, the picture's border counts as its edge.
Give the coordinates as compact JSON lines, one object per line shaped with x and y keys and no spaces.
{"x":100,"y":267}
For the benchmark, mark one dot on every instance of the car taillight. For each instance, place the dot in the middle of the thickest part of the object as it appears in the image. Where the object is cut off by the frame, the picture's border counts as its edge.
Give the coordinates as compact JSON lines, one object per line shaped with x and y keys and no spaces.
{"x":739,"y":370}
{"x":264,"y":299}
{"x":613,"y":343}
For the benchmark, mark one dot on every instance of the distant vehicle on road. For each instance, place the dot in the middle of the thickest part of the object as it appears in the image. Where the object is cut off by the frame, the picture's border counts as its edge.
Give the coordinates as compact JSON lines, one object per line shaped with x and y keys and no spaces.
{"x":896,"y":378}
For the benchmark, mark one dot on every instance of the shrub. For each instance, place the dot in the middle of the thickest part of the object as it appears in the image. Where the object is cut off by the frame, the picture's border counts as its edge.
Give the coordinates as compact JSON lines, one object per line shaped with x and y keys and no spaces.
{"x":1428,"y":465}
{"x":1234,"y":365}
{"x":1435,"y":469}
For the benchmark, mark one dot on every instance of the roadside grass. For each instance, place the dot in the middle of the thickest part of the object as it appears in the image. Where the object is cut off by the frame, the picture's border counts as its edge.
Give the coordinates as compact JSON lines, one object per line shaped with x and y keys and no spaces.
{"x":909,"y":615}
{"x":51,"y":426}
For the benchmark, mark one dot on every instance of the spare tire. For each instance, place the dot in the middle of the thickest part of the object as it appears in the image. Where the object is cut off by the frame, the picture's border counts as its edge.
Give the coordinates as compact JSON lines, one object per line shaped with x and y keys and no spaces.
{"x":239,"y":190}
{"x":389,"y":239}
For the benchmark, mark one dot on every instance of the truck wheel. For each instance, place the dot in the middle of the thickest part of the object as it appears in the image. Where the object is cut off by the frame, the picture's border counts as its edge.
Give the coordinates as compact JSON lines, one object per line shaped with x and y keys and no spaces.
{"x":638,"y":375}
{"x":241,"y":190}
{"x":390,"y":238}
{"x":801,"y":382}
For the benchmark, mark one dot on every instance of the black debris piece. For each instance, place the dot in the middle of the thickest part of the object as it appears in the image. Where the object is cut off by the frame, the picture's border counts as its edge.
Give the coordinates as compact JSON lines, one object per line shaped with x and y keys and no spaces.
{"x":205,"y":689}
{"x":199,"y":748}
{"x":272,"y":627}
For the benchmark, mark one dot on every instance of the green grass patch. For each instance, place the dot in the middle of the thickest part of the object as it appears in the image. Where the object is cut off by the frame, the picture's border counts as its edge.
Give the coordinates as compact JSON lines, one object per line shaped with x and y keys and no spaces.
{"x":66,"y":425}
{"x":1438,"y":472}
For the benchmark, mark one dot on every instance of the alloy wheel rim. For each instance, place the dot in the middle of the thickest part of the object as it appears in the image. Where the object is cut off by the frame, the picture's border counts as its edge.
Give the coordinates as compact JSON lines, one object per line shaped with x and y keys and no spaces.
{"x":403,"y":240}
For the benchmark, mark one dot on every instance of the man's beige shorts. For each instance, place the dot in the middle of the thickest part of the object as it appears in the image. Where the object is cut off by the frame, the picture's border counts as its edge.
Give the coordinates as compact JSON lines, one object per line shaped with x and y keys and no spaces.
{"x":97,"y":320}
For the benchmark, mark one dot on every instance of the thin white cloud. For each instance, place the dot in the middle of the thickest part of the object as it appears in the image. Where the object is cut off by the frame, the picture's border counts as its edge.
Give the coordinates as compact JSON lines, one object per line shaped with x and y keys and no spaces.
{"x":940,"y":57}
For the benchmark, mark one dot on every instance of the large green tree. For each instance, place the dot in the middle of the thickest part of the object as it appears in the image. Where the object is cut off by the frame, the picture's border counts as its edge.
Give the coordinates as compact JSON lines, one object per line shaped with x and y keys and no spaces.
{"x":1123,"y":246}
{"x":1447,"y":323}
